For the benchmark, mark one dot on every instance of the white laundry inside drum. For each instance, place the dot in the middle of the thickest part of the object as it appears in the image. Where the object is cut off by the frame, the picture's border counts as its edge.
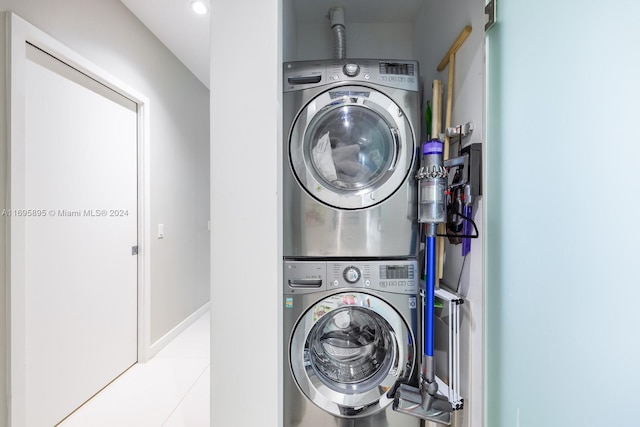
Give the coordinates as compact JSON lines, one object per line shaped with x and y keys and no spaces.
{"x":352,"y":148}
{"x":323,"y":158}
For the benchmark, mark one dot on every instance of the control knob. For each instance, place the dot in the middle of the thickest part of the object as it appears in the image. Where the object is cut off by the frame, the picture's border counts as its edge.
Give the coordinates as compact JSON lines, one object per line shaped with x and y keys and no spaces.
{"x":351,"y":274}
{"x":351,"y":69}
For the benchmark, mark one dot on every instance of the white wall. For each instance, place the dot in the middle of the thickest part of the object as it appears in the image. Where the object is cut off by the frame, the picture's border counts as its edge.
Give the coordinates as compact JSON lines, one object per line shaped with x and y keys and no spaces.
{"x":3,"y":236}
{"x":563,"y":150}
{"x":310,"y":41}
{"x":245,"y":255}
{"x":364,"y":40}
{"x":436,"y":27}
{"x":107,"y":34}
{"x":288,"y":31}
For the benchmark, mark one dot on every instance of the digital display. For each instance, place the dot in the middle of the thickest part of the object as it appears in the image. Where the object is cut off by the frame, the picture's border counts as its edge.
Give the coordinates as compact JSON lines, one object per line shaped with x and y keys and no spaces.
{"x":388,"y":272}
{"x":397,"y":68}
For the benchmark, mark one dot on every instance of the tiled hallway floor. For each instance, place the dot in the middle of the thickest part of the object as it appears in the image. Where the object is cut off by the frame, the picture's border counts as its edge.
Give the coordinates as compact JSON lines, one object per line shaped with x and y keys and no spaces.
{"x":171,"y":390}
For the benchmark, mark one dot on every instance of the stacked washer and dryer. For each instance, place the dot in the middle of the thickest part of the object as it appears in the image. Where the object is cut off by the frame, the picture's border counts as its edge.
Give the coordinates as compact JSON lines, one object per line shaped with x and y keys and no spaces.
{"x":351,"y":315}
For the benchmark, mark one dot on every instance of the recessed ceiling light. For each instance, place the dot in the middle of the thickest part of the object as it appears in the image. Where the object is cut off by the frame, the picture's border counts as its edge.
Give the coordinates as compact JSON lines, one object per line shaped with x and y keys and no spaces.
{"x":199,"y":7}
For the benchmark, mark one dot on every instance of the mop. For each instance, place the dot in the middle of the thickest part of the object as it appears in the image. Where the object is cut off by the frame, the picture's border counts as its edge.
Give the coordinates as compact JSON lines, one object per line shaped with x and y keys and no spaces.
{"x":425,"y":402}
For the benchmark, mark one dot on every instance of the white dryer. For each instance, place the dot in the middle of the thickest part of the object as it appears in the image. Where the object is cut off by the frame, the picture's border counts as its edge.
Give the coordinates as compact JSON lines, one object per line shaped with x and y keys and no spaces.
{"x":350,"y":330}
{"x":350,"y":129}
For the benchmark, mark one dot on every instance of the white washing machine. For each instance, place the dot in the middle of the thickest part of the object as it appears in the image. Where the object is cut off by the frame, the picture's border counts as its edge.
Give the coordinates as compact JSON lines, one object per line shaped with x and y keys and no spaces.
{"x":350,"y":330}
{"x":350,"y":151}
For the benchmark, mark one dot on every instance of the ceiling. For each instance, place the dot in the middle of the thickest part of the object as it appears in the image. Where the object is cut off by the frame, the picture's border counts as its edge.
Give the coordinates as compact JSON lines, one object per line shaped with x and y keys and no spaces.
{"x":186,"y":34}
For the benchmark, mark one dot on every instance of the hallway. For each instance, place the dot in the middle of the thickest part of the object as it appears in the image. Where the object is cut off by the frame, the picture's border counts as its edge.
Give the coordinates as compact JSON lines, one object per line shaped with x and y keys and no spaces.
{"x":171,"y":390}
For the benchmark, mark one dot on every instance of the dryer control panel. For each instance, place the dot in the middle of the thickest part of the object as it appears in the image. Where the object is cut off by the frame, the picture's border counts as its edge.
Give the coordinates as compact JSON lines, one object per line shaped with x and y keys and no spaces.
{"x":399,"y":74}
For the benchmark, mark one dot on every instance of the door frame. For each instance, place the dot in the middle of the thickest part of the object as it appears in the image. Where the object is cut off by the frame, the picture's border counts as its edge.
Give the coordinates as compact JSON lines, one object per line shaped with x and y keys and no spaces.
{"x":20,"y":32}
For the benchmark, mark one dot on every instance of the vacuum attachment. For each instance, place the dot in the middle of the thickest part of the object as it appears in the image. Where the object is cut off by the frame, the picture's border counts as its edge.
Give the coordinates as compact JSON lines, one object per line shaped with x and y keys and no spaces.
{"x":423,"y":402}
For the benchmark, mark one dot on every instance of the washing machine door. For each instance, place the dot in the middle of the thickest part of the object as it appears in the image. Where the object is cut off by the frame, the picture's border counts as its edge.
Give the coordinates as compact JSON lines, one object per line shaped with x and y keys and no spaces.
{"x":348,"y":350}
{"x":351,"y":147}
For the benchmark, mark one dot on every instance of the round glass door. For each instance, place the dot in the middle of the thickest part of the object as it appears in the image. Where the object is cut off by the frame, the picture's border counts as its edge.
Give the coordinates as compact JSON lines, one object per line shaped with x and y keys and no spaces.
{"x":348,"y":350}
{"x":351,"y":148}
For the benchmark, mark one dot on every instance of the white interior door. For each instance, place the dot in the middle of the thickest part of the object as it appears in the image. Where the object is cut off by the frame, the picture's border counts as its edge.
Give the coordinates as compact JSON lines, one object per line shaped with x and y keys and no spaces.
{"x":80,"y":181}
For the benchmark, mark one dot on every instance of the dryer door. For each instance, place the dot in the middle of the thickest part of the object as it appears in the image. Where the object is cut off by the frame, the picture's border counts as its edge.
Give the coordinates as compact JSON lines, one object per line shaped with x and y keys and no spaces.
{"x":351,"y":147}
{"x":348,"y":350}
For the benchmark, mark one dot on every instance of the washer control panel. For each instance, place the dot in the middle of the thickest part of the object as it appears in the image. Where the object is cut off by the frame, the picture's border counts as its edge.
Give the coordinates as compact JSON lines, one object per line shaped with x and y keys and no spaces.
{"x":397,"y":276}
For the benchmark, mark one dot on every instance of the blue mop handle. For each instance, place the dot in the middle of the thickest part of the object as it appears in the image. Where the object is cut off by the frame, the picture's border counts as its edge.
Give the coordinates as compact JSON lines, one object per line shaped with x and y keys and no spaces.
{"x":429,"y":311}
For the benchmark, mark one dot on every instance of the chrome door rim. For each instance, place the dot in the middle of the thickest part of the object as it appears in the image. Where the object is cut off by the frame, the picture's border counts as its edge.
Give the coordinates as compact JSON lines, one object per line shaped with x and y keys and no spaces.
{"x":360,"y":97}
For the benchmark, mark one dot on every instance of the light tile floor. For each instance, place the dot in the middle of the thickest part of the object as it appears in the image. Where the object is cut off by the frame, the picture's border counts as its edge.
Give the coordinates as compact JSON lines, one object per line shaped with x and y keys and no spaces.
{"x":171,"y":390}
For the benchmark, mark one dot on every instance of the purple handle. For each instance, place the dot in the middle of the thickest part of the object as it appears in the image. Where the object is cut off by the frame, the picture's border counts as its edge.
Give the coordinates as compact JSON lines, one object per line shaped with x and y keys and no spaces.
{"x":467,"y":211}
{"x":432,"y":147}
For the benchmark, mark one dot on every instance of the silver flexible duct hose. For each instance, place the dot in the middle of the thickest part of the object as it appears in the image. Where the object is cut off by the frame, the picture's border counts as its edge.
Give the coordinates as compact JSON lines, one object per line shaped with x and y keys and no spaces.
{"x":339,"y":33}
{"x":339,"y":42}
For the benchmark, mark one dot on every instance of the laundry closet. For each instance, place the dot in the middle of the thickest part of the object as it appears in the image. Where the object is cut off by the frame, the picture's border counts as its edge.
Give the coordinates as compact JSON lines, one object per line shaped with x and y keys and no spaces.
{"x":422,"y":31}
{"x":541,"y":348}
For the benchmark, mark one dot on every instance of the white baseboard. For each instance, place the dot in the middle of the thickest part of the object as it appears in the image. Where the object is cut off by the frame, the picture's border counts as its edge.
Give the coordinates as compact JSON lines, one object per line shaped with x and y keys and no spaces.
{"x":172,"y":334}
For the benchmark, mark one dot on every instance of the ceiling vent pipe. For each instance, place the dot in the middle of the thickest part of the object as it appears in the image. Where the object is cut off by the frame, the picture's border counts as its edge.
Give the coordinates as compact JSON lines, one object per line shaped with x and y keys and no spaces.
{"x":336,"y":15}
